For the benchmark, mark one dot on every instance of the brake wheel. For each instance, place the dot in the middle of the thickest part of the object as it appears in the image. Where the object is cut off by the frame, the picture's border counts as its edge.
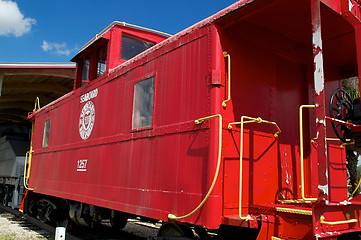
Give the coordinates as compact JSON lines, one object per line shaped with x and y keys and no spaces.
{"x":341,"y":108}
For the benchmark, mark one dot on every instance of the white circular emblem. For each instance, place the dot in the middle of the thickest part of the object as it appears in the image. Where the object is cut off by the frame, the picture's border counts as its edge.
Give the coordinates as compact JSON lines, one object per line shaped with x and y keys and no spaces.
{"x":86,"y":120}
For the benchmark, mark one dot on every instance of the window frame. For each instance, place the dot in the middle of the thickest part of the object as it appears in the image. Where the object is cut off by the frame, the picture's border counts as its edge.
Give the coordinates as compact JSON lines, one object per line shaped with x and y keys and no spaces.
{"x":83,"y":62}
{"x":103,"y":46}
{"x":47,"y":125}
{"x":133,"y":37}
{"x":92,"y":54}
{"x":138,"y":80}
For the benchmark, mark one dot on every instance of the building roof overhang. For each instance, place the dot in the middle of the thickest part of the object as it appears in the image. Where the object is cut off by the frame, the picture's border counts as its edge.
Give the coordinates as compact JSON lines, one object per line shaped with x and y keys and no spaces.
{"x":21,"y":83}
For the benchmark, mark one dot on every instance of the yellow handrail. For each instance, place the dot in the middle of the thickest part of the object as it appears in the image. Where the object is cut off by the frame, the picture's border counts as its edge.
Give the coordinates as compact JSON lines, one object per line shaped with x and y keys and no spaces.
{"x":301,"y":154}
{"x":124,"y":24}
{"x":242,"y":122}
{"x":29,"y":153}
{"x":277,"y":238}
{"x":334,"y":139}
{"x":327,"y":139}
{"x":346,"y":144}
{"x":257,"y":120}
{"x":354,"y":191}
{"x":226,"y":55}
{"x":37,"y":103}
{"x":25,"y":170}
{"x":28,"y":157}
{"x":200,"y":121}
{"x":348,"y":220}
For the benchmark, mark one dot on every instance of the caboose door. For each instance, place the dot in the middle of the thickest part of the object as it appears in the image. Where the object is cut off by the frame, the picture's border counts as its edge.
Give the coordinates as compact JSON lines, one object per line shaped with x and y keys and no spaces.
{"x":261,"y":161}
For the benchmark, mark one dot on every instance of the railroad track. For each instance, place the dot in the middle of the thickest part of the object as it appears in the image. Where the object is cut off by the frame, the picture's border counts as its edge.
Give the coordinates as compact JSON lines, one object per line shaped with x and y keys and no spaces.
{"x":32,"y":223}
{"x":134,"y":230}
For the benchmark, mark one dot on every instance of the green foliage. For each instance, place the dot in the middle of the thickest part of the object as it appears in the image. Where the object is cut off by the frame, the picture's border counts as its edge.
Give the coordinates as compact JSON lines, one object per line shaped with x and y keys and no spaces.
{"x":354,"y":93}
{"x":351,"y":85}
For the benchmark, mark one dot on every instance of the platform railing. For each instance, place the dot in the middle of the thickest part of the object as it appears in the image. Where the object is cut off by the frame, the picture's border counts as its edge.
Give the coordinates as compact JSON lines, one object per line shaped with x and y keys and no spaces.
{"x":301,"y":154}
{"x":347,"y":221}
{"x":242,"y":122}
{"x":303,"y":198}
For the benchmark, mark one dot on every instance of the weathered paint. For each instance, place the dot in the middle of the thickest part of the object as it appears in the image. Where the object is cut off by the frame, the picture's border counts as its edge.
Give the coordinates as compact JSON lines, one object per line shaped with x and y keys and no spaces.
{"x":318,"y":59}
{"x":350,"y":5}
{"x":324,"y":189}
{"x":319,"y":98}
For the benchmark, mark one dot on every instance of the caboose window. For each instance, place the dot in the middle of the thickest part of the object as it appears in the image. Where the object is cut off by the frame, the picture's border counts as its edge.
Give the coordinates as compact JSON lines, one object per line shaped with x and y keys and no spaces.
{"x":85,"y":70}
{"x":132,"y":47}
{"x":46,"y":133}
{"x":102,"y":60}
{"x":143,"y":103}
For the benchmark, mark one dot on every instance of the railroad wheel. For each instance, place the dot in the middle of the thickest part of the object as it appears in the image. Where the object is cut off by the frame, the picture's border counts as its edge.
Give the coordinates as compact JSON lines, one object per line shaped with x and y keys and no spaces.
{"x":2,"y":193}
{"x":5,"y":200}
{"x":118,"y":220}
{"x":7,"y":197}
{"x":174,"y":231}
{"x":341,"y":108}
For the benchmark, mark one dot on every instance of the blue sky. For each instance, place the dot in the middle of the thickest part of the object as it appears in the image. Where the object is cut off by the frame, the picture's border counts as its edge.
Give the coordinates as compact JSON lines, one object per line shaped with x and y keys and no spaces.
{"x":55,"y":30}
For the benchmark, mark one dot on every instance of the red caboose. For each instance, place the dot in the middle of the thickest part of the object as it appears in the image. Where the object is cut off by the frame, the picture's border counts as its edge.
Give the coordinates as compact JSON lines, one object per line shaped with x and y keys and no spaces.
{"x":208,"y":129}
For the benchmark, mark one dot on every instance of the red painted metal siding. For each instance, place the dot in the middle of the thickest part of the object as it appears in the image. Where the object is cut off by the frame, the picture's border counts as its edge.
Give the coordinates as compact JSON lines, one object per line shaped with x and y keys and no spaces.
{"x":152,"y":172}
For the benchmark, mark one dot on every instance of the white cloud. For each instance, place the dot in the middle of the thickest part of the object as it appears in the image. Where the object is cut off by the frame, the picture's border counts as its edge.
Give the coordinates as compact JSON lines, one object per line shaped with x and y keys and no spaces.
{"x":56,"y":48}
{"x":12,"y":21}
{"x":46,"y":46}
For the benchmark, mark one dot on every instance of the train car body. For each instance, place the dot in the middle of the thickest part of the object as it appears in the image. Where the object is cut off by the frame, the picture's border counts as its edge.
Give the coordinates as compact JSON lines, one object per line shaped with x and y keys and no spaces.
{"x":206,"y":122}
{"x":12,"y":159}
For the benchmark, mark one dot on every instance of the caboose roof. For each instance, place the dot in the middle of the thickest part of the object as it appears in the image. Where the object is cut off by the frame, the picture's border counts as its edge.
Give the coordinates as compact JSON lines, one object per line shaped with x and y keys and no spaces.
{"x":234,"y":14}
{"x":105,"y":35}
{"x":208,"y":21}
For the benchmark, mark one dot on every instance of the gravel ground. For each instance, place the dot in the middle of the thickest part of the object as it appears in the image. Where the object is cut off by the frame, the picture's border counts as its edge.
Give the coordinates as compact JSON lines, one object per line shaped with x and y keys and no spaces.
{"x":15,"y":228}
{"x":12,"y":228}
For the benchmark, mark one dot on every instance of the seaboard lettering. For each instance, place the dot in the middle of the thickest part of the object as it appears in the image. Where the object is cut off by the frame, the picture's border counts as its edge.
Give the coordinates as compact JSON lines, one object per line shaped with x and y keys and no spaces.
{"x":89,"y":95}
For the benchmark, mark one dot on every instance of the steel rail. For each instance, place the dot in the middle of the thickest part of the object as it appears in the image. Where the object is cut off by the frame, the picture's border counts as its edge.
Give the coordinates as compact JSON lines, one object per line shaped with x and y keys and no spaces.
{"x":36,"y":222}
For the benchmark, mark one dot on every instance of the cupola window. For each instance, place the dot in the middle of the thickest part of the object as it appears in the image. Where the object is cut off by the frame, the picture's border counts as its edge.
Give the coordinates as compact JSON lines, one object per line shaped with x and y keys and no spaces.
{"x":102,"y":60}
{"x":132,"y":46}
{"x":85,"y":70}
